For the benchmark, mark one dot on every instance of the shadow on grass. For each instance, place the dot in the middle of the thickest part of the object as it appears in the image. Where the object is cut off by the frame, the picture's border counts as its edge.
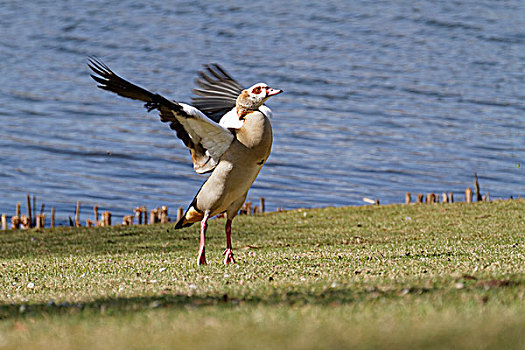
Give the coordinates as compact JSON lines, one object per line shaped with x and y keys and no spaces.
{"x":328,"y":297}
{"x":116,"y":306}
{"x":65,"y":241}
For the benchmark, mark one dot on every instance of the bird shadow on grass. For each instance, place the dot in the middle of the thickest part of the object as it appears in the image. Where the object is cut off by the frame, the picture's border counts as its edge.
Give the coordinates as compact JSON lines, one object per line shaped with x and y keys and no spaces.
{"x":327,"y":297}
{"x":123,"y":305}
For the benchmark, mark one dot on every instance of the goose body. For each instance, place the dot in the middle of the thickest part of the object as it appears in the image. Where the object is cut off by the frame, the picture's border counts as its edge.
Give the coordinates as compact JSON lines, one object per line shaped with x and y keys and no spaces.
{"x":227,"y":186}
{"x":227,"y":131}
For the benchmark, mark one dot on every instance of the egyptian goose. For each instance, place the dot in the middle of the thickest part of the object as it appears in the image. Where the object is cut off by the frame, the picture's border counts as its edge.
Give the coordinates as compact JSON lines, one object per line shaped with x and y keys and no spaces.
{"x":227,"y":131}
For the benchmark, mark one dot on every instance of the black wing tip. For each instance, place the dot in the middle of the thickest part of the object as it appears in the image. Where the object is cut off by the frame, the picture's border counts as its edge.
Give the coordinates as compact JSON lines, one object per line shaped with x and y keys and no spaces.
{"x":100,"y":76}
{"x":209,"y":65}
{"x":99,"y":67}
{"x":216,"y":91}
{"x":100,"y":80}
{"x":222,"y":70}
{"x":216,"y":71}
{"x":95,"y":61}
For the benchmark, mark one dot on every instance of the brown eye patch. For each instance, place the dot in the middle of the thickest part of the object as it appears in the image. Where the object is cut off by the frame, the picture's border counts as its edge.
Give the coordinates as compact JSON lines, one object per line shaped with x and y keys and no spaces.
{"x":256,"y":90}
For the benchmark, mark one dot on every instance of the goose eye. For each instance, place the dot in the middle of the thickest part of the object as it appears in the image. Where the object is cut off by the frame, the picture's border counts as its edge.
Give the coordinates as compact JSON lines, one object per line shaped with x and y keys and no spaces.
{"x":256,"y":90}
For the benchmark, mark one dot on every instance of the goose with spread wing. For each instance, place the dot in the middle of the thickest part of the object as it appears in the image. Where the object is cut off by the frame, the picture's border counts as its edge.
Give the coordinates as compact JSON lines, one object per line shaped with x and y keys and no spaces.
{"x":227,"y":131}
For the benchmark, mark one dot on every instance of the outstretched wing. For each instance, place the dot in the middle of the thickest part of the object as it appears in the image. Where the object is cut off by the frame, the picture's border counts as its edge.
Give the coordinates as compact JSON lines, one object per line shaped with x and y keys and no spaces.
{"x":217,"y":92}
{"x":206,"y":139}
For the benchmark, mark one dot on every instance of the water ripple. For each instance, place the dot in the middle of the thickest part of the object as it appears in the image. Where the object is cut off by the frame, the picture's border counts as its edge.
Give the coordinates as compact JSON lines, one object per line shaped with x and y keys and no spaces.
{"x":381,"y":98}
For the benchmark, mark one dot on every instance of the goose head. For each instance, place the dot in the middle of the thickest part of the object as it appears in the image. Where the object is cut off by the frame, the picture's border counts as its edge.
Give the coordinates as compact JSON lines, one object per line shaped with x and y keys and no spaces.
{"x":254,"y":97}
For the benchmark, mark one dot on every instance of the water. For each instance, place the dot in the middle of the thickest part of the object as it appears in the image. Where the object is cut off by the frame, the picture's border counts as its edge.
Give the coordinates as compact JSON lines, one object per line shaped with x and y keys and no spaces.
{"x":380,"y":98}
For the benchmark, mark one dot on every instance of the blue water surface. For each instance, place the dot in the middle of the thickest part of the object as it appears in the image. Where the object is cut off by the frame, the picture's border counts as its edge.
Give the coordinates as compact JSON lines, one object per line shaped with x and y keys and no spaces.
{"x":381,"y":98}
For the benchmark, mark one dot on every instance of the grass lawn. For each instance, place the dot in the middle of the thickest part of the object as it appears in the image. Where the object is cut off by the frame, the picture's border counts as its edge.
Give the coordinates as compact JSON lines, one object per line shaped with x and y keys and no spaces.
{"x":436,"y":276}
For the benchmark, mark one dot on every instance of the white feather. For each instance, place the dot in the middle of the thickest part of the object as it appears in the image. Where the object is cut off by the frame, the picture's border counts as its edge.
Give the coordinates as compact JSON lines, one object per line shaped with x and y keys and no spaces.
{"x":231,"y":120}
{"x":266,"y":111}
{"x":212,"y":136}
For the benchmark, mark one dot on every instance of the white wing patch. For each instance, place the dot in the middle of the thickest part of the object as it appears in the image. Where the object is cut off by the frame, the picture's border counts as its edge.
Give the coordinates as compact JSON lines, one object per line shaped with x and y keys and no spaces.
{"x":213,"y":137}
{"x":266,"y":111}
{"x":231,"y":120}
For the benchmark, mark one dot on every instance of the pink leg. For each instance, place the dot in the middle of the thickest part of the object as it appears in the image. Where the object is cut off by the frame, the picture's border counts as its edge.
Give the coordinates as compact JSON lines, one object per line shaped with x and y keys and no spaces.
{"x":228,"y":253}
{"x":201,"y":260}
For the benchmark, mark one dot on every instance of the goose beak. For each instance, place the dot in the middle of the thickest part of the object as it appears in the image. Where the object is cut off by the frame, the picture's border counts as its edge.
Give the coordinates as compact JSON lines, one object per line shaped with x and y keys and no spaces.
{"x":272,"y":92}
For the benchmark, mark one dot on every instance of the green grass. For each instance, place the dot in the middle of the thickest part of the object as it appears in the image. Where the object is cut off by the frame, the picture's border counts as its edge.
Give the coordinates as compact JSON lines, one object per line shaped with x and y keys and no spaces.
{"x":376,"y":277}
